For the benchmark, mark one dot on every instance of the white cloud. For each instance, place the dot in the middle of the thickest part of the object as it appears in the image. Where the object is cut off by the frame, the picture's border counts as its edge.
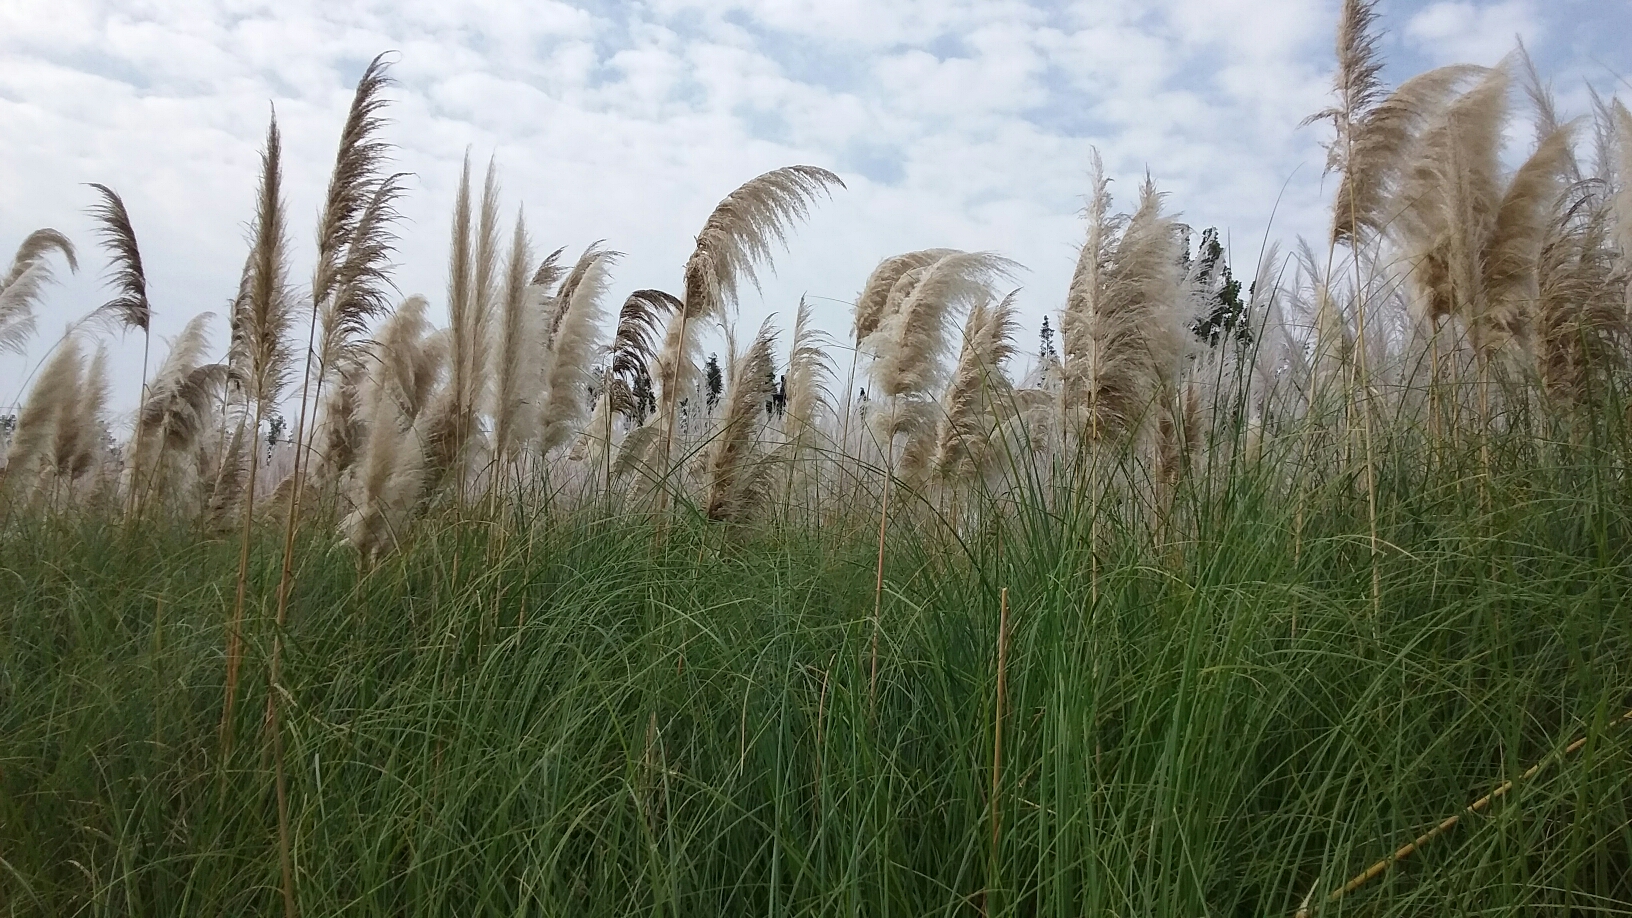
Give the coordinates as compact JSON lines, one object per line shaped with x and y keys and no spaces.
{"x":1454,"y":31}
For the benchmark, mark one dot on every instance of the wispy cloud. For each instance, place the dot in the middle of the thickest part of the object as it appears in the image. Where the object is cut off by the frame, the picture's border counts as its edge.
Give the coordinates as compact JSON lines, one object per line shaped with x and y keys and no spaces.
{"x":1458,"y":30}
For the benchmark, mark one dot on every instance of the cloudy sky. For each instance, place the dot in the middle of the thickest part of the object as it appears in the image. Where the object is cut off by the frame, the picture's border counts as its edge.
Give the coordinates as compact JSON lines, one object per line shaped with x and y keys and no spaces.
{"x":964,"y":123}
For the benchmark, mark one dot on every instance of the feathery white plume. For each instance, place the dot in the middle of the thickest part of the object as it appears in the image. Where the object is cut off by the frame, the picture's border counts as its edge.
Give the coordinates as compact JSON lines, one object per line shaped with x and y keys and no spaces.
{"x":22,"y":284}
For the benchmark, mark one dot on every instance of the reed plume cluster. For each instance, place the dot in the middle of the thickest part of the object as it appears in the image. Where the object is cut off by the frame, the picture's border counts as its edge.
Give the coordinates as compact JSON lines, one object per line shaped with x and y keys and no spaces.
{"x":1460,"y":298}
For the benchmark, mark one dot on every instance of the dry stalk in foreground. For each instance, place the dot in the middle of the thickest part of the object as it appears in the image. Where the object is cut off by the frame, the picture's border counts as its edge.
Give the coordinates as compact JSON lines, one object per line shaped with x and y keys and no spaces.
{"x":1378,"y":869}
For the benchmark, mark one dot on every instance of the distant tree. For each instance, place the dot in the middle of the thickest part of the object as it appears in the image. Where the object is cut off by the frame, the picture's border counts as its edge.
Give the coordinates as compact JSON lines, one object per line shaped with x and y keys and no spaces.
{"x":1224,"y":313}
{"x":1047,"y":351}
{"x":714,"y":381}
{"x":645,"y":400}
{"x":779,"y":396}
{"x":274,"y":433}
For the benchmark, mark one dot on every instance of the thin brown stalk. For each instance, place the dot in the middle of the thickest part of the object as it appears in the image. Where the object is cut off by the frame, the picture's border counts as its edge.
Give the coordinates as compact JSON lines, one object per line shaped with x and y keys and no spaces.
{"x":1445,"y":825}
{"x":286,"y":868}
{"x":1364,"y":171}
{"x":261,"y":319}
{"x":353,"y":242}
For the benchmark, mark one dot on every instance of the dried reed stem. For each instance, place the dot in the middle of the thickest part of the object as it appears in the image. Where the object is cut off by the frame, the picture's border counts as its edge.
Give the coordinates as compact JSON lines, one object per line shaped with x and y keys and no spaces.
{"x":235,"y":639}
{"x":1362,"y":402}
{"x":286,"y":580}
{"x":1378,"y":869}
{"x":136,"y":435}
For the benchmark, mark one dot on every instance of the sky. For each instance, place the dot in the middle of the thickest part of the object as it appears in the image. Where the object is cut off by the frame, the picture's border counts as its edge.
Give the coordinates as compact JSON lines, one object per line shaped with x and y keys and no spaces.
{"x":960,"y":123}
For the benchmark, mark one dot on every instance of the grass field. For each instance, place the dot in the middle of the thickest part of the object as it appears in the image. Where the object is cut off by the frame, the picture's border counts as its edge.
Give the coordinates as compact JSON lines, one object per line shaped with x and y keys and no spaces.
{"x":563,"y":715}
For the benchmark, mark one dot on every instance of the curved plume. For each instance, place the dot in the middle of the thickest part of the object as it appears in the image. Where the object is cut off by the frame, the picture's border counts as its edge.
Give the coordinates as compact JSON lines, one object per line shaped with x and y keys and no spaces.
{"x":979,"y":390}
{"x":633,"y":349}
{"x":407,"y":359}
{"x":911,"y":339}
{"x":129,"y":306}
{"x":875,"y":293}
{"x":1520,"y":224}
{"x":736,"y":240}
{"x":33,"y":250}
{"x":573,"y":349}
{"x":1449,"y":198}
{"x":626,"y":382}
{"x":636,"y":339}
{"x":20,"y":288}
{"x":263,"y":313}
{"x":1581,"y":321}
{"x":46,"y":415}
{"x":354,"y":239}
{"x":390,"y":474}
{"x":739,"y":235}
{"x":186,"y":349}
{"x":581,"y":268}
{"x":1374,"y":141}
{"x":546,"y":280}
{"x":738,"y":472}
{"x":549,"y":271}
{"x":181,"y":405}
{"x":178,"y":412}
